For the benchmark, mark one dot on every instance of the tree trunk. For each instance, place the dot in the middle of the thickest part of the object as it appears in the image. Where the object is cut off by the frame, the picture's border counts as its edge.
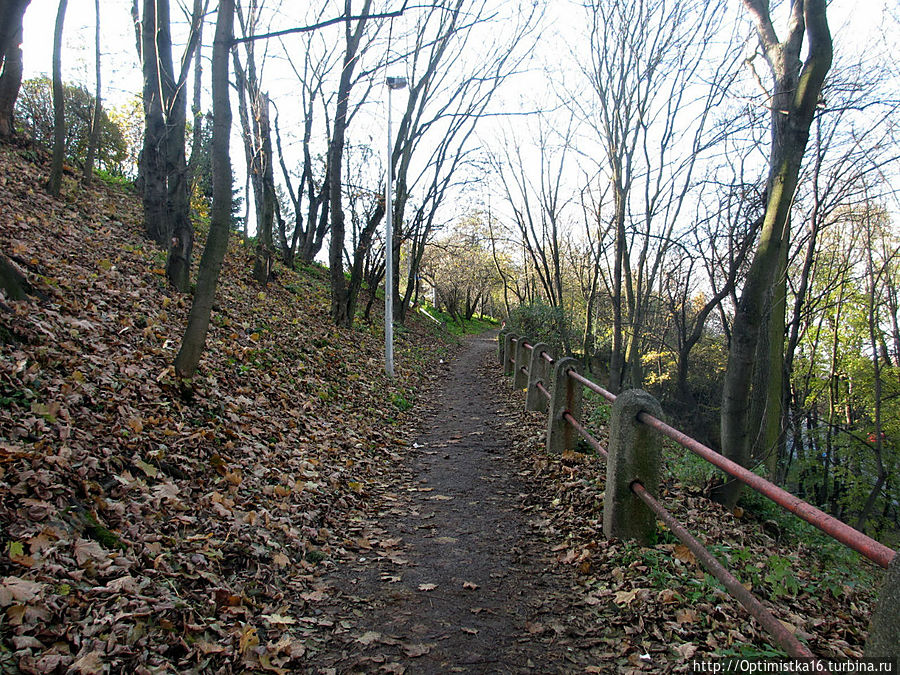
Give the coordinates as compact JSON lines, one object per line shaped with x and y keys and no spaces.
{"x":343,"y":300}
{"x":12,"y":282}
{"x":196,"y":112}
{"x":793,"y":107}
{"x":163,"y":167}
{"x":94,"y":140}
{"x":154,"y":31}
{"x":220,"y":214}
{"x":11,"y":16}
{"x":265,"y":215}
{"x":617,"y":358}
{"x":59,"y":106}
{"x":178,"y":198}
{"x":874,"y":326}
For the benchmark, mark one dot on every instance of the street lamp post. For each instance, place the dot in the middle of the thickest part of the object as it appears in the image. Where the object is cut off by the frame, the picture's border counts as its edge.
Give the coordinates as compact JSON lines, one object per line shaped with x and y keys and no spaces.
{"x":392,"y":83}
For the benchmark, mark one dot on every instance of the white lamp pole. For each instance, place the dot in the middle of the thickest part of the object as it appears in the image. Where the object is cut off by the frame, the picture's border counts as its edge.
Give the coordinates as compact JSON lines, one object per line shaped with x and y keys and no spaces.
{"x":392,"y":83}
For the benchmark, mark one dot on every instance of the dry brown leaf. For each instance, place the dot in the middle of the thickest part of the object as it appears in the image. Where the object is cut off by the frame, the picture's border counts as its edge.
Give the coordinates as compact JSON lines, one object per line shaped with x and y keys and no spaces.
{"x":368,"y":637}
{"x":686,"y":615}
{"x":684,"y":554}
{"x":88,"y":664}
{"x":624,"y":598}
{"x":415,"y":650}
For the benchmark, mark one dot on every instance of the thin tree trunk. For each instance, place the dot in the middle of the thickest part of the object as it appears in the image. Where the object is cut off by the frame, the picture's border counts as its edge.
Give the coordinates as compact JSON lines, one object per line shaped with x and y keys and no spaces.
{"x":11,"y":52}
{"x":180,"y":243}
{"x":94,"y":140}
{"x":220,"y":214}
{"x":617,"y":358}
{"x":265,"y":216}
{"x":874,"y":327}
{"x":343,"y":302}
{"x":196,"y":112}
{"x":59,"y":106}
{"x":152,"y":174}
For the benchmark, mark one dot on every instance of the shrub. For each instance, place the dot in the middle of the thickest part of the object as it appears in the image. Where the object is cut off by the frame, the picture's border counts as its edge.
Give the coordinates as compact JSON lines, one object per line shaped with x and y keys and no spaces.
{"x":541,"y":322}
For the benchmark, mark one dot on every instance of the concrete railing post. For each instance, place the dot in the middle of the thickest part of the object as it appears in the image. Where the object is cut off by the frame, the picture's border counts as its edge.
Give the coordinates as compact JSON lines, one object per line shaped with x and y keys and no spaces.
{"x":538,"y":371}
{"x":509,"y":346}
{"x":520,"y":379}
{"x":884,"y":629}
{"x":501,"y":344}
{"x":634,"y":455}
{"x":565,"y":396}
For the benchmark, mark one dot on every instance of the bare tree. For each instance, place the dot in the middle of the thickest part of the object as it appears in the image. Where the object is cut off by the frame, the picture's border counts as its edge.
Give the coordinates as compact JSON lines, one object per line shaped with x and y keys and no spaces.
{"x":164,"y":172}
{"x":253,"y":109}
{"x":654,"y":90}
{"x":220,"y":217}
{"x":795,"y":96}
{"x":11,"y":14}
{"x":94,"y":140}
{"x":59,"y":106}
{"x":537,"y":208}
{"x":309,"y":196}
{"x":343,"y":295}
{"x":452,"y":85}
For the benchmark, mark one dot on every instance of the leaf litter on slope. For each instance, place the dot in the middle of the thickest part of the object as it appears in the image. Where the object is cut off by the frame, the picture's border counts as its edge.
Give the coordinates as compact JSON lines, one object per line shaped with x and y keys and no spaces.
{"x":143,"y":533}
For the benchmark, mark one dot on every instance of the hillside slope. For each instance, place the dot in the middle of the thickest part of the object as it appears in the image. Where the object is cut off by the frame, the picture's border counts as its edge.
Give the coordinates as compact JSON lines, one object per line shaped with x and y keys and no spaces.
{"x":137,"y":531}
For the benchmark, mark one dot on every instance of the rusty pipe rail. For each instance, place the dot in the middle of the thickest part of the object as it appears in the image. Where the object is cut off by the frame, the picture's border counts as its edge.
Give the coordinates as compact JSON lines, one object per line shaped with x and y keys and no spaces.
{"x":754,"y":607}
{"x":863,"y":544}
{"x":585,"y":434}
{"x":840,"y":531}
{"x":593,"y":386}
{"x":847,"y":535}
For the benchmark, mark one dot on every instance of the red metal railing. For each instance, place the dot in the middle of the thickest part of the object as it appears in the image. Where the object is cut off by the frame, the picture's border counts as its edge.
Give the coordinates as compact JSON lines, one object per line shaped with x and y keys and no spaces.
{"x":593,"y":386}
{"x":865,"y":545}
{"x":585,"y":434}
{"x":757,"y":610}
{"x":874,"y":550}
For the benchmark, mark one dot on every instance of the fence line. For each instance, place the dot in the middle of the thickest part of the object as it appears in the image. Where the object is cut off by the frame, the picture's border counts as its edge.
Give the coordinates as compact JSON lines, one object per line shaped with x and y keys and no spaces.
{"x":633,"y":465}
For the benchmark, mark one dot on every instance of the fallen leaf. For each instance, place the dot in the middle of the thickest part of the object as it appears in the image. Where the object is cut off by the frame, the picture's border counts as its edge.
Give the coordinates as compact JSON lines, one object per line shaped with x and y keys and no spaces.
{"x":210,"y":647}
{"x":415,"y":650}
{"x":427,"y":587}
{"x":686,"y":615}
{"x":684,"y":554}
{"x":147,"y":468}
{"x":86,"y":550}
{"x":248,"y":640}
{"x":470,"y":585}
{"x":668,"y":597}
{"x":686,"y":650}
{"x":368,"y":637}
{"x":89,"y":664}
{"x":16,"y":590}
{"x":624,"y":598}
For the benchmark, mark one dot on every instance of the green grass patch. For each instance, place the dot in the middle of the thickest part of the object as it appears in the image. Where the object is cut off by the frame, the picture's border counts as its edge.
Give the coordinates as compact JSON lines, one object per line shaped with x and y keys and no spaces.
{"x":114,"y":180}
{"x":477,"y":324}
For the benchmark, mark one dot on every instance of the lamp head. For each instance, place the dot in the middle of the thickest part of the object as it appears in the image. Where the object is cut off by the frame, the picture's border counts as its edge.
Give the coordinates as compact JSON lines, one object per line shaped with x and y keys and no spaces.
{"x":396,"y":82}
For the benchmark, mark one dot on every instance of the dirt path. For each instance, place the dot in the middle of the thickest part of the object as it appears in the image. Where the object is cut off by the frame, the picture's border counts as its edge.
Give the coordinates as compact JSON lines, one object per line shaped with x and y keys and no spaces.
{"x":451,"y":576}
